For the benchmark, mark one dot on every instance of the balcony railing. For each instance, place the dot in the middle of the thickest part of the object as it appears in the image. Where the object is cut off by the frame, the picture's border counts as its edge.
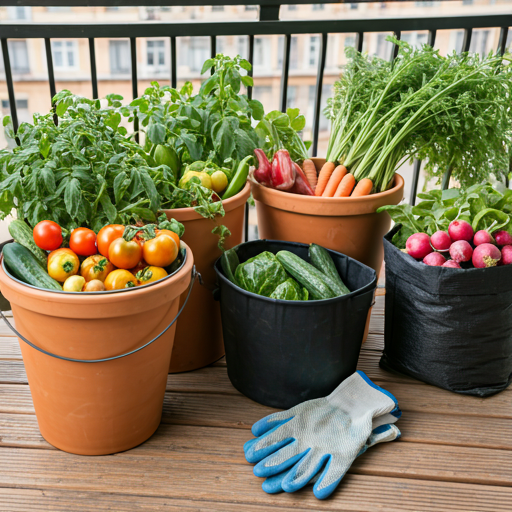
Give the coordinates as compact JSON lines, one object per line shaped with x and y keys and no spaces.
{"x":268,"y":24}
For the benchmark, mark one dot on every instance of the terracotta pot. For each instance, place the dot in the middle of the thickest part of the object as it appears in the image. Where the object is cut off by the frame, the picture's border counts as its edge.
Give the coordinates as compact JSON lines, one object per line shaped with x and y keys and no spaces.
{"x":198,"y":340}
{"x":347,"y":224}
{"x":104,"y":407}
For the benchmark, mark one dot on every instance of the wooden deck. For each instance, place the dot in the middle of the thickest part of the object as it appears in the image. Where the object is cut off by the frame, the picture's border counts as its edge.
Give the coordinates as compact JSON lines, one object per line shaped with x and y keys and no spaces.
{"x":455,"y":453}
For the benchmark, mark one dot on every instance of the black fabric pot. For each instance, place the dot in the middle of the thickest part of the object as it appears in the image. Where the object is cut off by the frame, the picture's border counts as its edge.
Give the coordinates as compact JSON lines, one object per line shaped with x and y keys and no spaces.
{"x":4,"y":303}
{"x":448,"y":327}
{"x":281,"y":353}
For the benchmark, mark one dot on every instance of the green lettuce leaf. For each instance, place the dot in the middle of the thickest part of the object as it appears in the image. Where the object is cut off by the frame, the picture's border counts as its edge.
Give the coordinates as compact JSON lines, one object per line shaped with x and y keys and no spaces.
{"x":290,"y":290}
{"x":261,"y":274}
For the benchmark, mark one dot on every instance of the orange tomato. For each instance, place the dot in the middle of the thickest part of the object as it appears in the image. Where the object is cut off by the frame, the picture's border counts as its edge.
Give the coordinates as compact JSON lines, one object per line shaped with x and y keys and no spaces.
{"x":124,"y":254}
{"x":96,"y":267}
{"x":150,"y":275}
{"x":160,"y":251}
{"x":107,"y":235}
{"x":120,"y":279}
{"x":62,"y":263}
{"x":170,"y":233}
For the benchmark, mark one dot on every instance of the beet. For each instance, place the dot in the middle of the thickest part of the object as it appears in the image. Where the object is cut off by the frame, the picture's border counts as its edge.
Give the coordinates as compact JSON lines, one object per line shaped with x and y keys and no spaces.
{"x":503,"y":238}
{"x":486,"y":255}
{"x":418,"y":245}
{"x":482,"y":237}
{"x":434,"y":259}
{"x":441,"y":241}
{"x":460,"y":230}
{"x":506,"y":255}
{"x":451,"y":264}
{"x":461,"y":251}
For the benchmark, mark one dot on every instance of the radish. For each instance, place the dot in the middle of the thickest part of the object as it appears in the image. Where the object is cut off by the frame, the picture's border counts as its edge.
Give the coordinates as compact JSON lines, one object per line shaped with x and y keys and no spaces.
{"x":460,"y":230}
{"x":482,"y":237}
{"x":461,"y":251}
{"x":451,"y":264}
{"x":434,"y":259}
{"x":441,"y":241}
{"x":418,"y":245}
{"x":506,"y":255}
{"x":503,"y":238}
{"x":486,"y":255}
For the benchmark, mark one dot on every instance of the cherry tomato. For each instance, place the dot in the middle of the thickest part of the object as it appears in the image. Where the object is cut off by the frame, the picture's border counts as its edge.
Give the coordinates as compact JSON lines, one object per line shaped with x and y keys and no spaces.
{"x":83,"y":242}
{"x":96,"y":267}
{"x":48,"y":235}
{"x":160,"y":251}
{"x":63,"y":263}
{"x":150,"y":275}
{"x":124,"y":254}
{"x":107,"y":235}
{"x":94,"y":286}
{"x":119,"y":279}
{"x":170,"y":233}
{"x":73,"y":284}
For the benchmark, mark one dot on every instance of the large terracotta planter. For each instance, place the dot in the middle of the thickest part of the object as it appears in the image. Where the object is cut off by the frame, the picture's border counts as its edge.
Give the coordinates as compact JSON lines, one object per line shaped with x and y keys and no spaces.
{"x":198,"y":340}
{"x":348,"y":225}
{"x":102,"y":407}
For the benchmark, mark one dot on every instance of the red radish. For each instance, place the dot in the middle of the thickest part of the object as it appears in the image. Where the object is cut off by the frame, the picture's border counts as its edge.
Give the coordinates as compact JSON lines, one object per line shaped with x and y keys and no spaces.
{"x":418,"y":245}
{"x":461,"y":251}
{"x":482,"y":237}
{"x":460,"y":230}
{"x":486,"y":255}
{"x":506,"y":255}
{"x":503,"y":238}
{"x":434,"y":259}
{"x":441,"y":241}
{"x":451,"y":264}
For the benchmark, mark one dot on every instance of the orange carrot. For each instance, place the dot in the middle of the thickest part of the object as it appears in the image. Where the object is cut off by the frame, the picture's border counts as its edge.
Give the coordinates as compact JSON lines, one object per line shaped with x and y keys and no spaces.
{"x":363,"y":188}
{"x":334,"y":181}
{"x":346,"y":186}
{"x":323,"y":177}
{"x":310,"y":171}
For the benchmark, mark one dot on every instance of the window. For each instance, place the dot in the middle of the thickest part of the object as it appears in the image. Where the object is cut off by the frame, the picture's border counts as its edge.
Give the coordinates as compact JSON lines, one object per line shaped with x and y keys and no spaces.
{"x":467,"y":2}
{"x":156,"y":53}
{"x":20,"y":104}
{"x":251,"y":7}
{"x":58,"y":9}
{"x":18,"y":54}
{"x":196,"y":51}
{"x":318,"y":7}
{"x":119,"y":50}
{"x":294,"y":52}
{"x":353,"y":7}
{"x":383,"y":49}
{"x":479,"y":42}
{"x":65,"y":54}
{"x":217,"y":8}
{"x":19,"y":13}
{"x":425,"y":3}
{"x":415,"y":38}
{"x":349,"y":41}
{"x":242,"y":44}
{"x":291,"y":97}
{"x":314,"y":46}
{"x":326,"y":93}
{"x":261,"y":51}
{"x":262,"y":93}
{"x":292,"y":7}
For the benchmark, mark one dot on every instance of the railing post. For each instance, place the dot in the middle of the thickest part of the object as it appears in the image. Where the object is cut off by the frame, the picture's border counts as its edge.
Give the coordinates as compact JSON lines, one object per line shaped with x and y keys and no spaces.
{"x":135,"y":89}
{"x":318,"y":93}
{"x":10,"y":87}
{"x":94,"y":76}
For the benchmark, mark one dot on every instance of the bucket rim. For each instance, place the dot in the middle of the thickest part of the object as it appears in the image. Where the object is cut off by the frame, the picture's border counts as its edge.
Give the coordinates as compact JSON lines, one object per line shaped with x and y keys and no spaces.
{"x":372,"y":285}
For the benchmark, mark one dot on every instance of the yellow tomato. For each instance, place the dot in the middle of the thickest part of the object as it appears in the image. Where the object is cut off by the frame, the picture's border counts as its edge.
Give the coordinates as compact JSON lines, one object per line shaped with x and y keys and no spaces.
{"x":150,"y":274}
{"x":204,"y":178}
{"x":160,"y":251}
{"x":124,"y":254}
{"x":219,"y":181}
{"x":96,"y":267}
{"x":63,"y":263}
{"x":120,"y":279}
{"x":94,"y":286}
{"x":73,"y":284}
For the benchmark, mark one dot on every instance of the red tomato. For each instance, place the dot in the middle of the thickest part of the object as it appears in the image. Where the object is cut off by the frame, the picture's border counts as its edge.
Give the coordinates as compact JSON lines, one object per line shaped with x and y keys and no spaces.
{"x":107,"y":235}
{"x":48,"y":235}
{"x":83,"y":241}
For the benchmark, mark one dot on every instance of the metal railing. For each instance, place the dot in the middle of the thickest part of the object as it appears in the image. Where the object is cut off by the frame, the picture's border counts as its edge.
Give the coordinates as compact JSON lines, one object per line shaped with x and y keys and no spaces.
{"x":268,"y":24}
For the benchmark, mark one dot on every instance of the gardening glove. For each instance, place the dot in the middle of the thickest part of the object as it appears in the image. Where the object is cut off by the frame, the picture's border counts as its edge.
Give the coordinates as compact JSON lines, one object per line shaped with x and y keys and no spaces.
{"x":332,"y":430}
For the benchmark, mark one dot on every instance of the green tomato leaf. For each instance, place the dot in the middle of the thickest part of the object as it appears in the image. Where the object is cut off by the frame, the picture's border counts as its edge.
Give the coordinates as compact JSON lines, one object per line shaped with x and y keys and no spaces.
{"x":223,"y":139}
{"x":298,"y":123}
{"x":108,"y":208}
{"x":73,"y":198}
{"x":157,"y":133}
{"x":245,"y":64}
{"x":248,"y":81}
{"x":222,"y":232}
{"x":208,"y":64}
{"x":257,"y":109}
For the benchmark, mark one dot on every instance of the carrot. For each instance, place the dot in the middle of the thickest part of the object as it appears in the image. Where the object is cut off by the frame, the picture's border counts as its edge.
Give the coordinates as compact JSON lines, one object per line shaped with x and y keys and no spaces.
{"x":363,"y":188}
{"x":334,"y":181}
{"x":310,"y":171}
{"x":346,"y":186}
{"x":323,"y":177}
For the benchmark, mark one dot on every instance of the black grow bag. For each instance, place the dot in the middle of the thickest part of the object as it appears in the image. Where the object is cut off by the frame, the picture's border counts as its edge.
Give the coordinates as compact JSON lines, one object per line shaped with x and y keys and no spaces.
{"x":281,"y":353}
{"x":448,"y":327}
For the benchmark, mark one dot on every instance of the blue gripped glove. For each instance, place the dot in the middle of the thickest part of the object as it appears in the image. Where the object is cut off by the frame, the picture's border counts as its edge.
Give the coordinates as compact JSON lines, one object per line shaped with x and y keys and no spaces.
{"x":330,"y":431}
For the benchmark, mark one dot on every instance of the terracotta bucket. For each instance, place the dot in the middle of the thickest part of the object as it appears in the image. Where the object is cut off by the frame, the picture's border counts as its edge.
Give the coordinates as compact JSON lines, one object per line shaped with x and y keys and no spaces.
{"x":198,"y":340}
{"x":97,"y":408}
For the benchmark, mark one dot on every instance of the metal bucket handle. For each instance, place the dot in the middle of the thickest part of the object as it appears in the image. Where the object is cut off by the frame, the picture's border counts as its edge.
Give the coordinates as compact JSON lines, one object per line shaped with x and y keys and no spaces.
{"x":195,"y":275}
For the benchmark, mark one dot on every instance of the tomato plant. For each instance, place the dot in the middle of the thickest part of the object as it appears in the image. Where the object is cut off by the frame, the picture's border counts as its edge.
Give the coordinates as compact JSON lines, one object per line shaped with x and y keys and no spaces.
{"x":124,"y":254}
{"x":83,"y":241}
{"x":120,"y":279}
{"x":48,"y":235}
{"x":160,"y":251}
{"x":107,"y":235}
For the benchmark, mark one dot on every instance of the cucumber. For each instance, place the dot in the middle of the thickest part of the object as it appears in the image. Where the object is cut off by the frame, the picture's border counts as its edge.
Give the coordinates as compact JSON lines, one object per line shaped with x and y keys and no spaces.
{"x":322,"y":260}
{"x":229,"y":262}
{"x":308,"y":276}
{"x":23,"y":265}
{"x":22,"y":234}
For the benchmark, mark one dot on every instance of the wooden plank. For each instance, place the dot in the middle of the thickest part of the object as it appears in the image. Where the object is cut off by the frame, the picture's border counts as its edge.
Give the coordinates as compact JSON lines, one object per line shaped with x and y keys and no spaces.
{"x":9,"y":347}
{"x":374,"y":342}
{"x":12,"y":372}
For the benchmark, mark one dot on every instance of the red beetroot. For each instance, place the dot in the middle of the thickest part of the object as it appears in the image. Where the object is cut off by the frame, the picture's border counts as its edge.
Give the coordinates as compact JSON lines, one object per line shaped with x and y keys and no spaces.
{"x":441,"y":241}
{"x":461,"y":251}
{"x":460,"y":230}
{"x":451,"y":264}
{"x":486,"y":255}
{"x":264,"y":170}
{"x":503,"y":238}
{"x":418,"y":245}
{"x":301,"y":185}
{"x":482,"y":237}
{"x":282,"y":175}
{"x":506,"y":255}
{"x":434,"y":259}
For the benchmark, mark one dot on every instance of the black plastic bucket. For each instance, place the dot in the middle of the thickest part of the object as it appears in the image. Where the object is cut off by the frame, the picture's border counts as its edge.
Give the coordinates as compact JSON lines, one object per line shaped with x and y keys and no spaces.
{"x":281,"y":353}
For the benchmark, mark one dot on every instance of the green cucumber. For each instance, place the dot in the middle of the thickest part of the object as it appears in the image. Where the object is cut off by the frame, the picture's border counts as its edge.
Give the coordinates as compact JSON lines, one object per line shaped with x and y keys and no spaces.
{"x":308,"y":276}
{"x":22,"y":264}
{"x":229,"y":262}
{"x":22,"y":234}
{"x":322,"y":260}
